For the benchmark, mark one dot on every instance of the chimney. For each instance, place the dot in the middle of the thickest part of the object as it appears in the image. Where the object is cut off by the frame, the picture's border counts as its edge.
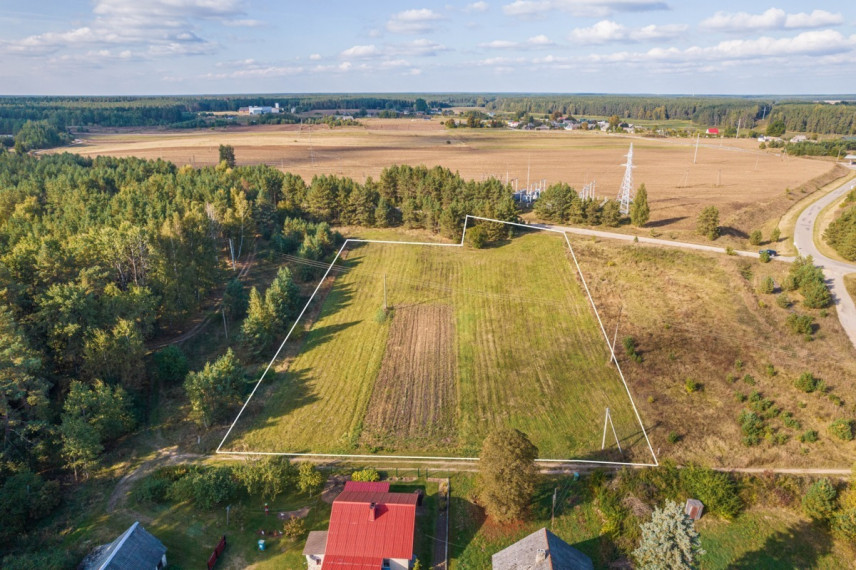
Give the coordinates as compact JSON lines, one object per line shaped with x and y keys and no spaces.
{"x":540,"y":555}
{"x":372,"y":512}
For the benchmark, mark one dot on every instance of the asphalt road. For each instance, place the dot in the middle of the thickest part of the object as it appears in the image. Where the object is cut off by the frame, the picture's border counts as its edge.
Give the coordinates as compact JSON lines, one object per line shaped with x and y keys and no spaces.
{"x":834,"y":270}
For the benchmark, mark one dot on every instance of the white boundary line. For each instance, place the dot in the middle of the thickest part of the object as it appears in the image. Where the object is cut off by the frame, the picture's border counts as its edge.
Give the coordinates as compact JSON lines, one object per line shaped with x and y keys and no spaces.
{"x":220,"y":451}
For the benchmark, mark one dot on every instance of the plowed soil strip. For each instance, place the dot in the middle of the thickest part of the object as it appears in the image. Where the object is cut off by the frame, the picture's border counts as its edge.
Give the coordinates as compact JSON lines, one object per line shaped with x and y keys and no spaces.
{"x":416,"y":391}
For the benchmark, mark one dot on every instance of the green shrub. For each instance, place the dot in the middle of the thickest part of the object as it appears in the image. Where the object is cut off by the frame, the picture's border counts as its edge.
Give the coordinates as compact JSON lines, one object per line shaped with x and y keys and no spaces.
{"x":809,"y":436}
{"x":844,"y":524}
{"x":755,"y":237}
{"x":790,"y":421}
{"x":749,"y":379}
{"x":738,"y":364}
{"x":764,"y":257}
{"x":806,"y":382}
{"x":206,"y":488}
{"x":294,"y":528}
{"x":369,"y":474}
{"x":715,"y":489}
{"x":740,"y":397}
{"x":836,"y":400}
{"x":730,"y":251}
{"x":767,"y":286}
{"x":819,"y":501}
{"x":151,"y":490}
{"x":730,"y":378}
{"x":630,"y":348}
{"x":770,"y":370}
{"x":752,"y":426}
{"x":783,"y":301}
{"x":691,"y":386}
{"x":801,"y":324}
{"x":673,"y":437}
{"x":842,"y":429}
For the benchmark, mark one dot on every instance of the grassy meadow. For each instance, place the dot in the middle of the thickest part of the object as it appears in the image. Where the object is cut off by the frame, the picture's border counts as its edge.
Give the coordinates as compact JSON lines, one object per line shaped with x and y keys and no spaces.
{"x":525,"y":348}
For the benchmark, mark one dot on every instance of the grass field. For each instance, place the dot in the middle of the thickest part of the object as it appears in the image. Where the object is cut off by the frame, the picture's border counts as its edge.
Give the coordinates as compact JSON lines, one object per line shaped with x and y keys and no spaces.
{"x":747,"y":184}
{"x":478,"y":339}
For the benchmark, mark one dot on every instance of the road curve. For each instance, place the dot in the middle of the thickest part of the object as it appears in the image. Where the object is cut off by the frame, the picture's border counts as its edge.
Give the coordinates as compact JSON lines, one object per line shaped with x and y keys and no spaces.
{"x":833,"y":269}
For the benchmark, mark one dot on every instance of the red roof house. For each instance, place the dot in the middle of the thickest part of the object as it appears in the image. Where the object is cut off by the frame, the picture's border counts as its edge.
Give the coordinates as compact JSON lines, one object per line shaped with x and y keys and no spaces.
{"x":713,"y":131}
{"x":370,"y":529}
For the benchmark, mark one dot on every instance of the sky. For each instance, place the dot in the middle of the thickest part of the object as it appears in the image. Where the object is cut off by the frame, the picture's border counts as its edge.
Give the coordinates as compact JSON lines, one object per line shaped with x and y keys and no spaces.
{"x":149,"y":47}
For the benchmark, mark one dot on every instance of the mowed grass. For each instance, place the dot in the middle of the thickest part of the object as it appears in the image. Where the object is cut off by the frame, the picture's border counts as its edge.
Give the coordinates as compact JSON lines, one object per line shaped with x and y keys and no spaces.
{"x":530,"y":354}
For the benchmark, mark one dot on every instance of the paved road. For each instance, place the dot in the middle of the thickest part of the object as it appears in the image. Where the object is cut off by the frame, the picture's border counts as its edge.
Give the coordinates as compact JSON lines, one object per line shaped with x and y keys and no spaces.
{"x":834,"y":270}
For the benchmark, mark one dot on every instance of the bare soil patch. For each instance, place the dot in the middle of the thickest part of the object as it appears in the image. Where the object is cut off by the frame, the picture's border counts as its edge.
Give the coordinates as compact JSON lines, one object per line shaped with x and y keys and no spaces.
{"x":415,"y":393}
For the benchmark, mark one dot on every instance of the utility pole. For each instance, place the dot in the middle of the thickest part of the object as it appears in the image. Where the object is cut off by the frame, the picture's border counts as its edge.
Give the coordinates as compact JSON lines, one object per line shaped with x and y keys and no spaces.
{"x":553,"y":515}
{"x":737,"y":136}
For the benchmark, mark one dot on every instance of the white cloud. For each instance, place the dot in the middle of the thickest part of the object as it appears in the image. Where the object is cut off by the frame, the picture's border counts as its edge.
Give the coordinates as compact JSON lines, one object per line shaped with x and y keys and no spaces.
{"x":535,"y":42}
{"x":361,"y":52}
{"x":582,"y":8}
{"x":315,"y":56}
{"x":476,"y":7}
{"x":421,"y":47}
{"x":153,"y":28}
{"x":414,"y":21}
{"x":245,"y":23}
{"x":609,"y":31}
{"x":772,"y":19}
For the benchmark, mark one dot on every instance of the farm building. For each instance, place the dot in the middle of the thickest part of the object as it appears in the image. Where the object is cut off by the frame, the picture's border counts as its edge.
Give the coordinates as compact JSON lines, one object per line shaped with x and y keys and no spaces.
{"x":851,"y":158}
{"x":712,"y":131}
{"x":135,"y":548}
{"x":541,"y":550}
{"x":370,"y":529}
{"x":263,"y":110}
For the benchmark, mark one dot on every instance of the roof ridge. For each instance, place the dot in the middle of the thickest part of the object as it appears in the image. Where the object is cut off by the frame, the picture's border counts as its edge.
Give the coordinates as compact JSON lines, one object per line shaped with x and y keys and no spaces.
{"x":122,"y":540}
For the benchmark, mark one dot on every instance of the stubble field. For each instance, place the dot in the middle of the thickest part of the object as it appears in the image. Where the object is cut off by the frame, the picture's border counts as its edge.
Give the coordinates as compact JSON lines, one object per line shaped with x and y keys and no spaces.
{"x":747,"y":185}
{"x":478,"y":339}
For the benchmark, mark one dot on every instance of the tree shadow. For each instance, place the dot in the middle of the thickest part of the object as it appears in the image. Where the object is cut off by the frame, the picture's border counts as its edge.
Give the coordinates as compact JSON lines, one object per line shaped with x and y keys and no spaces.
{"x":733,"y":232}
{"x":601,"y":549}
{"x":320,"y":335}
{"x":800,"y":546}
{"x":466,"y":519}
{"x":280,"y":395}
{"x":664,"y":222}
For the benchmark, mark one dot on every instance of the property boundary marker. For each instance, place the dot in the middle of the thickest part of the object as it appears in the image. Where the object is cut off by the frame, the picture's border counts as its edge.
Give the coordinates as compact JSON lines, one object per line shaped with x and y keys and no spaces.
{"x":609,"y":345}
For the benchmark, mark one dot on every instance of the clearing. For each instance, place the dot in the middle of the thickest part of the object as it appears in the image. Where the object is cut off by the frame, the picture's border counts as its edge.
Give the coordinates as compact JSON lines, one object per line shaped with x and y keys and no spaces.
{"x":477,"y":339}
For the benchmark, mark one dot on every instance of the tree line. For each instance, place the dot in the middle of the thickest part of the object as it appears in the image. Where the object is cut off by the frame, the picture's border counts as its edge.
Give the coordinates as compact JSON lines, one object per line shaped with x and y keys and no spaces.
{"x":99,"y":256}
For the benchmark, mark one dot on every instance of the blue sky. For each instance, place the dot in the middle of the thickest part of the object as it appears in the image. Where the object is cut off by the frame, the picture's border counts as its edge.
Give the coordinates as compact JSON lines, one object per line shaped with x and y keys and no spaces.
{"x":265,"y":46}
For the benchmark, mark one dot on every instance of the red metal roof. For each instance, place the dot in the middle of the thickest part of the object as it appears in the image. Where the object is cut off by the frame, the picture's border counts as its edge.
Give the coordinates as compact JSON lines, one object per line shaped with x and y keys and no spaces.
{"x":355,"y":542}
{"x":351,"y":563}
{"x":381,"y":487}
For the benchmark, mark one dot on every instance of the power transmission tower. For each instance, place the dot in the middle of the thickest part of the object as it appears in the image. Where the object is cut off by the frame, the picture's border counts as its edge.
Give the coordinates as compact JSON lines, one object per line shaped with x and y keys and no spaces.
{"x":625,"y":193}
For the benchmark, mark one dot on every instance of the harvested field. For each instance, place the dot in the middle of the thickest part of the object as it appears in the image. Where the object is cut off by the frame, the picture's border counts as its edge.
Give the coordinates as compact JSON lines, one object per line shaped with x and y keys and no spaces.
{"x":747,"y":184}
{"x":415,"y":394}
{"x":524,"y":349}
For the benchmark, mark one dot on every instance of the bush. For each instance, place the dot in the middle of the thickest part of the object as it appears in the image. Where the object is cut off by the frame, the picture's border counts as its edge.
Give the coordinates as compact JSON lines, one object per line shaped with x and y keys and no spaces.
{"x":806,"y":382}
{"x":691,"y":386}
{"x":206,"y":488}
{"x":819,"y":501}
{"x":369,"y":474}
{"x":630,"y":348}
{"x":749,"y":379}
{"x":842,"y":429}
{"x":152,"y":489}
{"x":477,"y":236}
{"x":755,"y":237}
{"x":809,"y":436}
{"x":836,"y":400}
{"x":673,"y":437}
{"x":844,"y":524}
{"x":707,"y":223}
{"x":764,"y":257}
{"x":715,"y":489}
{"x":767,"y":286}
{"x":783,"y":301}
{"x":752,"y":426}
{"x":790,"y":421}
{"x":294,"y":528}
{"x":770,"y":370}
{"x":801,"y":324}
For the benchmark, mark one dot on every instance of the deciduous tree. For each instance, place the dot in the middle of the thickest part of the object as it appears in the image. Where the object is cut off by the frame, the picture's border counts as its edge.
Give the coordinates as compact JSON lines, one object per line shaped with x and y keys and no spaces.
{"x":507,"y":474}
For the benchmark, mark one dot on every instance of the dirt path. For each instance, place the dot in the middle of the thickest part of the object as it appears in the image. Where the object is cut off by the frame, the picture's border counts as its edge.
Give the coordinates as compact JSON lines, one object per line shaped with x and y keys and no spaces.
{"x":200,"y":326}
{"x":165,"y":456}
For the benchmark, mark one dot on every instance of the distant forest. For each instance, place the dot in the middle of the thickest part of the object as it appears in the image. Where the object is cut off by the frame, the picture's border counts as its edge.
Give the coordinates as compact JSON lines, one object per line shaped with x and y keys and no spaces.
{"x":192,"y":112}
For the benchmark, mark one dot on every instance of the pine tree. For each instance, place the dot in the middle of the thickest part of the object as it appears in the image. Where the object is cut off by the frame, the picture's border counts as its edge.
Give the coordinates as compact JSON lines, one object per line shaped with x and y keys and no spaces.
{"x":281,"y":300}
{"x":669,"y":541}
{"x":257,"y":329}
{"x":708,"y":222}
{"x":640,"y":213}
{"x":215,"y":389}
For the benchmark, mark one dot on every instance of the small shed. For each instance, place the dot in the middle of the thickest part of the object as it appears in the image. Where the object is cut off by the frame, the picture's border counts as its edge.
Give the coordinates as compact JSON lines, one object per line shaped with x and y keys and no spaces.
{"x":694,"y":509}
{"x":135,"y":548}
{"x":541,"y":550}
{"x":851,"y":158}
{"x":713,"y":131}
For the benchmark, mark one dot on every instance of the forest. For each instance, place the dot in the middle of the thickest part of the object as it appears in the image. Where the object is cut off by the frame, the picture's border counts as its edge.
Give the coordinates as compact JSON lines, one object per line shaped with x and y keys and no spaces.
{"x":100,"y":256}
{"x":196,"y":112}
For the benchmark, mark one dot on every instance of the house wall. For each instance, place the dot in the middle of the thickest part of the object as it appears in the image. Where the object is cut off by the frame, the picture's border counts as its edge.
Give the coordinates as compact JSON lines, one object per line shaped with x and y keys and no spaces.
{"x":313,"y":561}
{"x":399,"y":564}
